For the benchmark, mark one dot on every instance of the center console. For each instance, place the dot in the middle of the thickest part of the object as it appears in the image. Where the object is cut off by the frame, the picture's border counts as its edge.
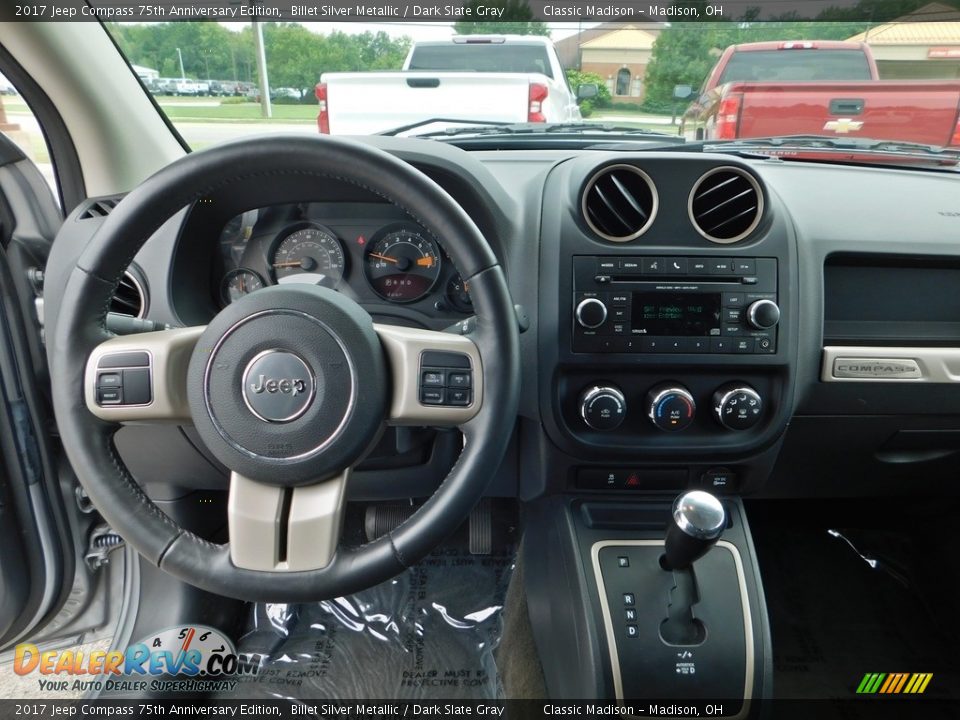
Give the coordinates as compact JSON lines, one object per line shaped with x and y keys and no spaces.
{"x":666,"y":354}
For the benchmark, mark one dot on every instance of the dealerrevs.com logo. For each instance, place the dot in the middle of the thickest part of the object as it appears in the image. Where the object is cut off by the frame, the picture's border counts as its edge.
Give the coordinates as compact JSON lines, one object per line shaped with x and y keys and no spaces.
{"x":191,"y":658}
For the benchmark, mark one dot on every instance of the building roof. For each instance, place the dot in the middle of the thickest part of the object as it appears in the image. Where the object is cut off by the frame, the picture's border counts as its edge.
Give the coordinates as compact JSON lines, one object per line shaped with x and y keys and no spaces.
{"x":912,"y":33}
{"x":626,"y":38}
{"x":568,"y":49}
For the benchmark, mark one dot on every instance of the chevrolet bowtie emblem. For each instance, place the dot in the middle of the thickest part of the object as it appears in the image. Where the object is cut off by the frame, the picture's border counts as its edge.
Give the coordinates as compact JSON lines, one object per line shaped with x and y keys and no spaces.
{"x":843,"y":125}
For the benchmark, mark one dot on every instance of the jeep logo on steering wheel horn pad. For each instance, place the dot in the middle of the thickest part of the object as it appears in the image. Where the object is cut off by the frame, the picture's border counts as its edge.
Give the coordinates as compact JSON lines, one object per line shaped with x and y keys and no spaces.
{"x":278,"y":386}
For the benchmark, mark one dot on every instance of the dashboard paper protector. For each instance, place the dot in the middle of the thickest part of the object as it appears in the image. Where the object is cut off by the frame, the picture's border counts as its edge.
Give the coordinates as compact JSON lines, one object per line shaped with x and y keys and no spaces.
{"x":430,"y":632}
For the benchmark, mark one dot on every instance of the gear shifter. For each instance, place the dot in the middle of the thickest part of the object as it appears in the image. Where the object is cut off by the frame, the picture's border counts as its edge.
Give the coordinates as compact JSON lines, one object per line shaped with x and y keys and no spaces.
{"x":698,"y":520}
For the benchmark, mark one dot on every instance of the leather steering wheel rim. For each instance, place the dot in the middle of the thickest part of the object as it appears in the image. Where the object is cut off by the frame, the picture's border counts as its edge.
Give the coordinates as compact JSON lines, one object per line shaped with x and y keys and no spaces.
{"x":272,"y":163}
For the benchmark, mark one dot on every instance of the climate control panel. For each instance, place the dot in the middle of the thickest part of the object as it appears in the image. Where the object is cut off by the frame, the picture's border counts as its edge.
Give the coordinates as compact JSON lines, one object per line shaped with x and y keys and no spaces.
{"x":670,"y":407}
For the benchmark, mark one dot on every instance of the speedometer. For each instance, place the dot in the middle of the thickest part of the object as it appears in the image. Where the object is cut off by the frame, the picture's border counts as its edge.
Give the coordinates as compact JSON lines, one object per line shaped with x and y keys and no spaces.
{"x":402,"y":263}
{"x":311,"y":254}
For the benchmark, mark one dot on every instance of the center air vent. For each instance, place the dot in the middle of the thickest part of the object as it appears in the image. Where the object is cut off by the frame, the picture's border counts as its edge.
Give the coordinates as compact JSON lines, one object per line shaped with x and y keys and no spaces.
{"x":619,"y":203}
{"x":129,"y":298}
{"x":725,"y":205}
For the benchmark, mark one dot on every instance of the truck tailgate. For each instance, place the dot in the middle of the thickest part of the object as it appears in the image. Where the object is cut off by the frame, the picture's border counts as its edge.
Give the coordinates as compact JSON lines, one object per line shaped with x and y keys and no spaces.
{"x":366,"y":103}
{"x":924,"y":112}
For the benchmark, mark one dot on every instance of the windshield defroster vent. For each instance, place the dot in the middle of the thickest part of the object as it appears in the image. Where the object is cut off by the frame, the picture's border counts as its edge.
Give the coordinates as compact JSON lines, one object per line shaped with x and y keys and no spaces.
{"x":725,"y":205}
{"x":619,"y":203}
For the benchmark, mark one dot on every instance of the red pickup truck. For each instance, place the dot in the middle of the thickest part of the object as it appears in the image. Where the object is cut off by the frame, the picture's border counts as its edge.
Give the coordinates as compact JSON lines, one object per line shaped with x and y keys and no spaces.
{"x":815,"y":87}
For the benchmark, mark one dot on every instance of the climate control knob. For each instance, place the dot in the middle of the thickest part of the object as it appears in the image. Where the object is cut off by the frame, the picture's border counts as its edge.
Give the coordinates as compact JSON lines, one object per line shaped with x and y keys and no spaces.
{"x":737,"y":406}
{"x":671,"y":407}
{"x":603,"y":407}
{"x":763,"y":314}
{"x":591,"y":313}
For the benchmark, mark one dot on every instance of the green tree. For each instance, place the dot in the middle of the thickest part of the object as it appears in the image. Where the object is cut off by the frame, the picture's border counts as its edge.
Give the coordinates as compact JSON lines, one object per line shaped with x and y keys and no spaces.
{"x":576,"y":78}
{"x":517,"y":19}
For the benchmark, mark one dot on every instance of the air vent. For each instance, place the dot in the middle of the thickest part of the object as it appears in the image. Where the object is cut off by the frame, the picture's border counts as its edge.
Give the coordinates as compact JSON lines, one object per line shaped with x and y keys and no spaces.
{"x":725,"y":205}
{"x":619,"y":203}
{"x":129,"y":298}
{"x":98,"y":208}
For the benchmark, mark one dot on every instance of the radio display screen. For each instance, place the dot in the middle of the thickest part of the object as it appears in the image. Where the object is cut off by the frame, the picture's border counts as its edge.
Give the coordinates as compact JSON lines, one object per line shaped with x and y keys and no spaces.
{"x":675,"y":314}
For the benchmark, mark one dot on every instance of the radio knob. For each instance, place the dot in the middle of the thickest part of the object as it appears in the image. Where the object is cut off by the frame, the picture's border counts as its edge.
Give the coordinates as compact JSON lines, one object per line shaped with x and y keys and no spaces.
{"x":737,"y":407}
{"x":671,"y":407}
{"x":591,"y":313}
{"x":603,"y":407}
{"x":763,"y":314}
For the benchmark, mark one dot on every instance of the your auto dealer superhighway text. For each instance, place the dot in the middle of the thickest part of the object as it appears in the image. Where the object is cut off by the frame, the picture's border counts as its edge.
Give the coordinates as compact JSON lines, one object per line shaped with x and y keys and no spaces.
{"x":414,"y":710}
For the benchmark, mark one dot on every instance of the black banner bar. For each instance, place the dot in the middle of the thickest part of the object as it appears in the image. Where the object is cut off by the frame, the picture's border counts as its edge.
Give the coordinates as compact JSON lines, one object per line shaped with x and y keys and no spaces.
{"x":578,"y":11}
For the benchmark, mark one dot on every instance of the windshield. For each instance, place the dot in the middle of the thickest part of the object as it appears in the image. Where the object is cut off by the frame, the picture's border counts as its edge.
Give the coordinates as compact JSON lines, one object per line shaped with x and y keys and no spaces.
{"x":888,"y":81}
{"x":475,"y":57}
{"x":797,"y":66}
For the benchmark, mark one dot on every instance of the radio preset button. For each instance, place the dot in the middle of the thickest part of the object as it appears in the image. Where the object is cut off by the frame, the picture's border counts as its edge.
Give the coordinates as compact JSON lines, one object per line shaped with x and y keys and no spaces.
{"x":720,"y":345}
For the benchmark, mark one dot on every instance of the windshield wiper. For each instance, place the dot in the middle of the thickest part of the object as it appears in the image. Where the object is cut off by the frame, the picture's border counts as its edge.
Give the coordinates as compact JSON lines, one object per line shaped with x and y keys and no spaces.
{"x":431,"y":121}
{"x":571,"y":128}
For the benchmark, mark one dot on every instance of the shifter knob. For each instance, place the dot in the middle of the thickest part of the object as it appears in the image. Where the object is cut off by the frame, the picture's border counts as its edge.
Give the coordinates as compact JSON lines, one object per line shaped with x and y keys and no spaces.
{"x":697,"y":522}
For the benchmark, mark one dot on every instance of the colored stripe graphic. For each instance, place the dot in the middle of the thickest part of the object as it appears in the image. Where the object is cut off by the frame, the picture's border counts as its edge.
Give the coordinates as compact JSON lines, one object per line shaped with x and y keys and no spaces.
{"x":894,"y":683}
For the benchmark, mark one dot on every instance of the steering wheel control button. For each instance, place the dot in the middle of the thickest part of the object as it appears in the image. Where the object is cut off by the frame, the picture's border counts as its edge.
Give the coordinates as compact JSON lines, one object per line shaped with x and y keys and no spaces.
{"x":278,"y":386}
{"x":451,"y":385}
{"x":124,"y":359}
{"x":123,"y":385}
{"x":737,"y":407}
{"x":136,"y":386}
{"x":591,"y":313}
{"x":109,"y":396}
{"x":433,"y":378}
{"x":671,"y":407}
{"x":603,"y":407}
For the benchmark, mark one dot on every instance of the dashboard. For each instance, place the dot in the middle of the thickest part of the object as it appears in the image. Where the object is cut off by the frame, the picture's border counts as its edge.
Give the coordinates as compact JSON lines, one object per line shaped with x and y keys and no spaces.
{"x":367,"y":251}
{"x":686,"y":312}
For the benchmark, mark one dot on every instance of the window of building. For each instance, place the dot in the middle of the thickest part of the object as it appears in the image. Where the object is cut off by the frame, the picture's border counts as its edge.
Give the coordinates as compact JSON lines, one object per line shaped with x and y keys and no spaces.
{"x":623,"y":81}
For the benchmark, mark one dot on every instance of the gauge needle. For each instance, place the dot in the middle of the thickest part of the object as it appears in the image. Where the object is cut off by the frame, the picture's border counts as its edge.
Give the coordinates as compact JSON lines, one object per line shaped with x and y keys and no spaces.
{"x":290,"y":263}
{"x":384,"y":258}
{"x":426,"y":261}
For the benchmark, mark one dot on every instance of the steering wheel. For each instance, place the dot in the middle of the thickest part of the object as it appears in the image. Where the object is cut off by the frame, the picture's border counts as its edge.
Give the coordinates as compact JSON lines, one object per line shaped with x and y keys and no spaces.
{"x":288,"y":387}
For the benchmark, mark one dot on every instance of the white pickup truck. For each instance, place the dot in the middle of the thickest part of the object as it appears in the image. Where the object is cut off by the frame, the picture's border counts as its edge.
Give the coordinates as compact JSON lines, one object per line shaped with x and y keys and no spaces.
{"x":467,"y":79}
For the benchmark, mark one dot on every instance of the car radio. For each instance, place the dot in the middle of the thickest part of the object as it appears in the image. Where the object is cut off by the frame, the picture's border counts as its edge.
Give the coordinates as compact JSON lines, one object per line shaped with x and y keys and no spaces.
{"x":641,"y":304}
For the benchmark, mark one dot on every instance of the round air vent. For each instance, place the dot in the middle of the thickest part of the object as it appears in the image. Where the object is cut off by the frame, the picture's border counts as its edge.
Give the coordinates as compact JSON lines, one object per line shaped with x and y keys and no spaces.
{"x":129,"y":298}
{"x":725,"y":205}
{"x":619,"y":203}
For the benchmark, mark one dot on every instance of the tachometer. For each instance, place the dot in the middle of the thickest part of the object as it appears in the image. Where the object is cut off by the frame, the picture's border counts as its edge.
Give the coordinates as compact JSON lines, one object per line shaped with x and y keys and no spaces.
{"x":458,"y":294}
{"x":237,"y":283}
{"x":311,"y":254}
{"x":402,"y":263}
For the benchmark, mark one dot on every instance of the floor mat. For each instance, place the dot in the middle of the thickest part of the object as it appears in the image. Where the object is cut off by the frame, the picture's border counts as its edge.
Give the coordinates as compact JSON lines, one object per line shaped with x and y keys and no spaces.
{"x":430,"y":632}
{"x":844,"y":603}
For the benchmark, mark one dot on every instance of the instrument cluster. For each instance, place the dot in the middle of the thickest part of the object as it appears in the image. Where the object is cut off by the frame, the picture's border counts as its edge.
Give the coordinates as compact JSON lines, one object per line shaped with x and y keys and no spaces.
{"x":370,"y":254}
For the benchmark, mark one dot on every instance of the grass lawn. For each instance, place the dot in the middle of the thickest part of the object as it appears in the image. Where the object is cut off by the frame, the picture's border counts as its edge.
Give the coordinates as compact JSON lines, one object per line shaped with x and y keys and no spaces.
{"x":239,"y":112}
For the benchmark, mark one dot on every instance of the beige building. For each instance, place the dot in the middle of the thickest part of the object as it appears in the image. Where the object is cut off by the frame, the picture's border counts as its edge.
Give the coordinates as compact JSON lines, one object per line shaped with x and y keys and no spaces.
{"x":917,"y":50}
{"x":620,"y":57}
